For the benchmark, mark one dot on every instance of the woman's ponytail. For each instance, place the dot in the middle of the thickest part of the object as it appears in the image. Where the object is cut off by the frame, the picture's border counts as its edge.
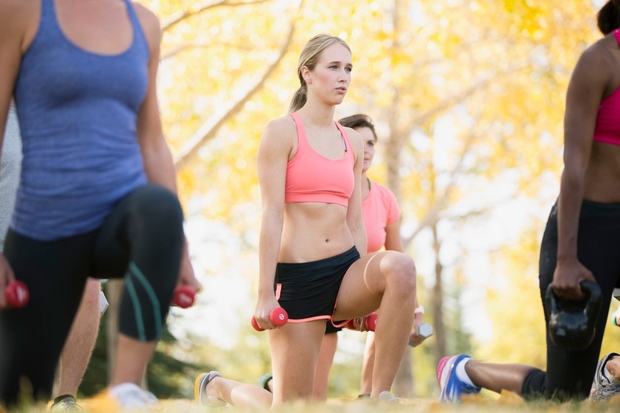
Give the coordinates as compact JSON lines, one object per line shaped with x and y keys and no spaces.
{"x":299,"y":99}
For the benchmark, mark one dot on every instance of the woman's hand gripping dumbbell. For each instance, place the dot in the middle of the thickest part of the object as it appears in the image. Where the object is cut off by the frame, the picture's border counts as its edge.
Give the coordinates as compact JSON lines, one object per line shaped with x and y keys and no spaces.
{"x":184,"y":296}
{"x":278,"y":317}
{"x":16,"y":294}
{"x":366,"y":323}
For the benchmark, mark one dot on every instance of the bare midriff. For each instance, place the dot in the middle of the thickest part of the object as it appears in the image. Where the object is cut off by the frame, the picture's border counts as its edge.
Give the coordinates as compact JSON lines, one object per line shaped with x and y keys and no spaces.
{"x":314,"y":231}
{"x":602,"y":178}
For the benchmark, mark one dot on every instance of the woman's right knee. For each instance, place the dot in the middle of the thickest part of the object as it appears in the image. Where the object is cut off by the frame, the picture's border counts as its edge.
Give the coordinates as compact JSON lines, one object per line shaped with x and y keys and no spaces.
{"x":399,"y":271}
{"x":534,"y":384}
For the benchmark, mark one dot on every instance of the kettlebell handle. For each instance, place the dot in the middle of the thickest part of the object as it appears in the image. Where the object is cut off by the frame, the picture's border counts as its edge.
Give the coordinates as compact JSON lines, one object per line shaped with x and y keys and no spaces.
{"x":593,"y":307}
{"x":590,"y":287}
{"x":593,"y":290}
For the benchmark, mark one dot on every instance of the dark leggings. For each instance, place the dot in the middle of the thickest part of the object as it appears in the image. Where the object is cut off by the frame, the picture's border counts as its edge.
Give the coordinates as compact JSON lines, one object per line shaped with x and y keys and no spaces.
{"x":141,"y":240}
{"x":570,"y":373}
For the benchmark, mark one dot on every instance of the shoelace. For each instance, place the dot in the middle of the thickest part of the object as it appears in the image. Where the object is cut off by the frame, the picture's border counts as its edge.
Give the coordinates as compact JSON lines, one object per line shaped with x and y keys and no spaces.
{"x":607,"y":388}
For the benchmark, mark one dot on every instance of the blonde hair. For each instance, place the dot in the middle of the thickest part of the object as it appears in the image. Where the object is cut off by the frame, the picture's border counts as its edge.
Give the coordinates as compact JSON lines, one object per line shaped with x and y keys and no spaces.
{"x":309,"y":57}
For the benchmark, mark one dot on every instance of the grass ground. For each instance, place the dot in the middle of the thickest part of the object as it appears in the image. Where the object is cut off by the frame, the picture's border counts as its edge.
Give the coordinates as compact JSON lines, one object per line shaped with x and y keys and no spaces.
{"x":508,"y":402}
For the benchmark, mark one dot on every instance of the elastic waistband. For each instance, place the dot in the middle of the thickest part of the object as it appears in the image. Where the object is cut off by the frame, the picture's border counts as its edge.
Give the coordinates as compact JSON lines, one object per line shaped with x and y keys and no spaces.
{"x":345,"y":256}
{"x":593,"y":208}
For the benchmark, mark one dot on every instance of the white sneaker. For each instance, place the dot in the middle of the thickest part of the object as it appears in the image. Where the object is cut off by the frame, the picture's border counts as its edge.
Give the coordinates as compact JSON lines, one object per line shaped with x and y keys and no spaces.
{"x":132,"y":396}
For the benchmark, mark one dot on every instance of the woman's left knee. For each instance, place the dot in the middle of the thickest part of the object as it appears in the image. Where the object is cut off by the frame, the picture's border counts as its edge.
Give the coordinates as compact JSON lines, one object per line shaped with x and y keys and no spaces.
{"x":157,"y":202}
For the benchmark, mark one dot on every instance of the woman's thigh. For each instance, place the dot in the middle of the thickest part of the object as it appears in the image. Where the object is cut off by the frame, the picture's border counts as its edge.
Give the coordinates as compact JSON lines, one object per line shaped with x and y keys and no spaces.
{"x":362,"y":287}
{"x":32,"y":338}
{"x":295,"y":351}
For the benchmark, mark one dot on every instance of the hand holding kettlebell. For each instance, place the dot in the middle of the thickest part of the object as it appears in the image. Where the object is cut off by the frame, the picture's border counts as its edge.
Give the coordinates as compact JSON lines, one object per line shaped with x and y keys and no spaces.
{"x":573,"y":326}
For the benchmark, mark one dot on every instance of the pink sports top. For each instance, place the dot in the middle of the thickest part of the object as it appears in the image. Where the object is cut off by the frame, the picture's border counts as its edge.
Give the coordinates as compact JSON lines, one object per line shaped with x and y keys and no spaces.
{"x":311,"y":177}
{"x":607,"y":128}
{"x":379,"y":210}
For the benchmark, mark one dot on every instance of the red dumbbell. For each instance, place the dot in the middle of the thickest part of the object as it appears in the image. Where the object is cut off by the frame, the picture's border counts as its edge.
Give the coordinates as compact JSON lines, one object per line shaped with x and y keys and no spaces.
{"x":278,"y":317}
{"x":184,"y":296}
{"x":17,"y":295}
{"x":368,"y":323}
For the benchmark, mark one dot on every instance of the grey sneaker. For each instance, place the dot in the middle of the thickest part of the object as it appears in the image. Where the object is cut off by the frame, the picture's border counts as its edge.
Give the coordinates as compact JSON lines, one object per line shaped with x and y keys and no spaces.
{"x":200,"y":390}
{"x":65,"y":404}
{"x":602,"y":388}
{"x":386,"y":396}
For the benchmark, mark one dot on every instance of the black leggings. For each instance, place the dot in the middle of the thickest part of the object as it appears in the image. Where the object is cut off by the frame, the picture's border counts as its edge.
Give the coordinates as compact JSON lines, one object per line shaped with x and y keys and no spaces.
{"x":141,"y":240}
{"x":570,"y":373}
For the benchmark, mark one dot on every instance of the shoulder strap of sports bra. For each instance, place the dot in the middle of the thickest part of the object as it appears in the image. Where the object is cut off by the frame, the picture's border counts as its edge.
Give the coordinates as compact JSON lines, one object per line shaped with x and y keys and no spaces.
{"x":617,"y":34}
{"x":301,"y":132}
{"x":345,"y":137}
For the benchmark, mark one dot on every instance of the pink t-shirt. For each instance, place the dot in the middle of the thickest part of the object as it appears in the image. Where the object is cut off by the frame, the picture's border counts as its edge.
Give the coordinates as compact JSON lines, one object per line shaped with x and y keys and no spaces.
{"x":378,"y":210}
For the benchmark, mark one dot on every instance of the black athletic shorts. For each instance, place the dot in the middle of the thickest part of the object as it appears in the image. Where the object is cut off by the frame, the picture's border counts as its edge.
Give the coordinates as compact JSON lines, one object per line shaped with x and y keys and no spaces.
{"x":308,"y":290}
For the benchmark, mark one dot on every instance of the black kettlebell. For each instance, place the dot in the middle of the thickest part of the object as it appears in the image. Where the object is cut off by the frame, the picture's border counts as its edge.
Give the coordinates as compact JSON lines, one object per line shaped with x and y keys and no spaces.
{"x":574,"y":328}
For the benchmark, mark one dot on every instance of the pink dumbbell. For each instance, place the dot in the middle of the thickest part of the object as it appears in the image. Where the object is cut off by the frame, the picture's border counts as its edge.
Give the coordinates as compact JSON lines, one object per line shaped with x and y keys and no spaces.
{"x":17,"y":295}
{"x":278,"y":317}
{"x":368,"y":323}
{"x":184,"y":296}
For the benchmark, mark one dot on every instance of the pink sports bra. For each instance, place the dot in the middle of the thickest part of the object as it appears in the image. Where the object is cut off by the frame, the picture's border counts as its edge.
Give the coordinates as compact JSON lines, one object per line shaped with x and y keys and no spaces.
{"x":607,"y":128}
{"x":311,"y":177}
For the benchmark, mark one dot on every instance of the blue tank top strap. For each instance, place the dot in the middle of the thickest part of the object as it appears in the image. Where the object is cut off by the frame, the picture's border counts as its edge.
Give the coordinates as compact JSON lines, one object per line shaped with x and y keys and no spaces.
{"x":49,"y":22}
{"x":137,"y":27}
{"x":47,"y":8}
{"x":51,"y":27}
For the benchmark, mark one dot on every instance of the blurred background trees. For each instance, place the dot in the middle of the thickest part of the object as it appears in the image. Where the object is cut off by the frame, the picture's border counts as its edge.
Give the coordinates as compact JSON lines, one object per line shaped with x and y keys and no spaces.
{"x":468,"y":97}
